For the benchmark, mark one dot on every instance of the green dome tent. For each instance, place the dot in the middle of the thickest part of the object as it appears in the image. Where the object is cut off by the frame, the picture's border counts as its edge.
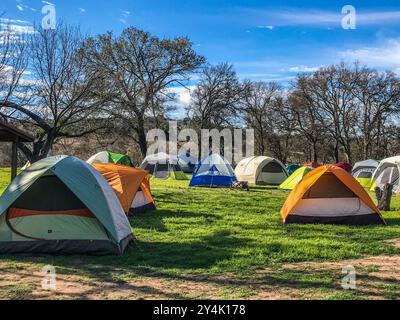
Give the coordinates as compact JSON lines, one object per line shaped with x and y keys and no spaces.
{"x":62,"y":205}
{"x":110,"y":157}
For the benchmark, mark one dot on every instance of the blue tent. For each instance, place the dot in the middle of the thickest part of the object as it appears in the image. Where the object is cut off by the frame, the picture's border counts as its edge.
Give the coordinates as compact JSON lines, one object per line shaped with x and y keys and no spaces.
{"x":213,"y":171}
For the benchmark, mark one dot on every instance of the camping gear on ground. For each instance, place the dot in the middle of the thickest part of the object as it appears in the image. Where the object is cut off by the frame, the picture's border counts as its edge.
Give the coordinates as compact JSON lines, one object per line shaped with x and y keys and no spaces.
{"x":292,"y":168}
{"x":131,"y":185}
{"x":163,"y":166}
{"x":213,"y":171}
{"x":261,"y":170}
{"x":363,"y":171}
{"x":294,"y":179}
{"x":240,"y":185}
{"x":345,"y":166}
{"x":62,"y":205}
{"x":387,"y":172}
{"x":329,"y":194}
{"x":110,"y":157}
{"x":187,"y":162}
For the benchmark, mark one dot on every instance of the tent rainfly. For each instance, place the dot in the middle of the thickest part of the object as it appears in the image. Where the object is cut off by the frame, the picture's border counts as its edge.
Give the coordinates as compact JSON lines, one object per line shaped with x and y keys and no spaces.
{"x":363,"y":171}
{"x":329,"y":194}
{"x":110,"y":157}
{"x":213,"y":171}
{"x":261,"y":170}
{"x":295,"y":178}
{"x":292,"y":168}
{"x":131,"y":185}
{"x":62,"y":205}
{"x":163,"y":166}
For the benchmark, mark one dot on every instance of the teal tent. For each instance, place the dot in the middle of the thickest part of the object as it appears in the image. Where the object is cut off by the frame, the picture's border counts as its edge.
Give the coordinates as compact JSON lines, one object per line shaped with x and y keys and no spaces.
{"x":62,"y":205}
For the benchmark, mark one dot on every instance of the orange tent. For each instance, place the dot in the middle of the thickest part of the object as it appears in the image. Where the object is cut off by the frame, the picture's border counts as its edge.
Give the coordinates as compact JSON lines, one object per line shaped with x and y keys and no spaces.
{"x":131,"y":185}
{"x":329,"y":194}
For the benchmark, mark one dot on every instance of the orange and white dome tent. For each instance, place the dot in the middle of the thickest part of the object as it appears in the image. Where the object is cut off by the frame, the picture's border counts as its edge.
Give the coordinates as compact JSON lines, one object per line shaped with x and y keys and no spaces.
{"x":131,"y":185}
{"x":329,"y":194}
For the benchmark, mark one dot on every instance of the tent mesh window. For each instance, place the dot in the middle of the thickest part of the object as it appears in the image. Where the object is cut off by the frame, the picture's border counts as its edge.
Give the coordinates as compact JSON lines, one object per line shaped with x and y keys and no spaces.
{"x":329,"y":186}
{"x":162,"y":171}
{"x":272,"y":167}
{"x":364,"y":174}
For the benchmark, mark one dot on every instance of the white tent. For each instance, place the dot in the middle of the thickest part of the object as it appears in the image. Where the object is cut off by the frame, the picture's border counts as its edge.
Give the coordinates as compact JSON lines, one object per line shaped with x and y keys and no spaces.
{"x":163,"y":166}
{"x":363,"y":171}
{"x":261,"y":170}
{"x":387,"y":172}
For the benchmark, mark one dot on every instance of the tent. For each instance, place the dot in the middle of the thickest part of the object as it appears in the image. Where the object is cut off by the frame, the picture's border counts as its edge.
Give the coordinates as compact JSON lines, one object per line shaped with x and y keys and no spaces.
{"x":312,"y":164}
{"x":345,"y":166}
{"x":294,"y":179}
{"x":387,"y":172}
{"x":187,"y":162}
{"x":363,"y":171}
{"x":261,"y":170}
{"x":110,"y":157}
{"x":329,"y":194}
{"x":213,"y":171}
{"x":292,"y":168}
{"x":62,"y":205}
{"x":131,"y":185}
{"x":163,"y":166}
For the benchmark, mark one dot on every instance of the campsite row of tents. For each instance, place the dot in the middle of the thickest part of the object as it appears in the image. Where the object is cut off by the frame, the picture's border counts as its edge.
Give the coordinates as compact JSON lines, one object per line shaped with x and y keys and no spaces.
{"x":65,"y":205}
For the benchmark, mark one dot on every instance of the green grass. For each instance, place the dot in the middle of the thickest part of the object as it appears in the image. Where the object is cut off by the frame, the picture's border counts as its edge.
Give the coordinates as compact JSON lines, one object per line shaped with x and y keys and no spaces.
{"x":202,"y":234}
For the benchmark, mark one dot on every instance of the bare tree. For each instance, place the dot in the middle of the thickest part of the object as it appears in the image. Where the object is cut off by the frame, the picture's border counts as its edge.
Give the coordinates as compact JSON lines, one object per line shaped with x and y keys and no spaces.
{"x":379,"y":99}
{"x":138,"y":70}
{"x":13,"y":63}
{"x":62,"y":103}
{"x":215,"y":99}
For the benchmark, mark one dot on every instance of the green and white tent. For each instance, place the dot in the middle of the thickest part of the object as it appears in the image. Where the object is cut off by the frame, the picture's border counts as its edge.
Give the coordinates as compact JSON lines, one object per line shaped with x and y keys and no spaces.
{"x":110,"y":157}
{"x":62,"y":205}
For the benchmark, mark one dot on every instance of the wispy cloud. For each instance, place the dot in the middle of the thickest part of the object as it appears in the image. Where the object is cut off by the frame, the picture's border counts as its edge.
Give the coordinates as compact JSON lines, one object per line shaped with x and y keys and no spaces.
{"x":48,"y":2}
{"x":82,"y":10}
{"x":302,"y":68}
{"x":124,"y":16}
{"x":385,"y":56}
{"x":298,"y":17}
{"x":21,"y":6}
{"x":266,"y":27}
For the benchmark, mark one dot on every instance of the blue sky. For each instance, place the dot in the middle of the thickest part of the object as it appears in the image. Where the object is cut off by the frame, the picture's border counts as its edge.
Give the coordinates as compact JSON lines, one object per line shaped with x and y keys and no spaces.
{"x":265,"y":40}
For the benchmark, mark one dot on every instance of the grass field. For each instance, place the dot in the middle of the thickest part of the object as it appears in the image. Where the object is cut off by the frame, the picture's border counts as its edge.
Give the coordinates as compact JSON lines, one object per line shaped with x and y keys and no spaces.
{"x":218,"y":243}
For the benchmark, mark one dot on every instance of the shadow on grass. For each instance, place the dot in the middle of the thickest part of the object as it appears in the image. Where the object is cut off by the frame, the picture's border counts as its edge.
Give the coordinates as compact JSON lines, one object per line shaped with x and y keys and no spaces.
{"x":155,"y":220}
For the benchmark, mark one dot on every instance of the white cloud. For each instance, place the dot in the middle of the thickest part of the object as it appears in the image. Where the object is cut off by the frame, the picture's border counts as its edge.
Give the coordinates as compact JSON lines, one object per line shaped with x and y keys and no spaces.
{"x":20,"y":8}
{"x":266,"y":27}
{"x":82,"y":10}
{"x":292,"y":17}
{"x":49,"y":3}
{"x":386,"y":56}
{"x":16,"y":29}
{"x":182,"y":94}
{"x":303,"y":68}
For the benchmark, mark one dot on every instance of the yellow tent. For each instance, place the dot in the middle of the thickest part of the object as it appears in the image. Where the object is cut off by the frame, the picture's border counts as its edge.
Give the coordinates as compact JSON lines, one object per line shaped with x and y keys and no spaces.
{"x":295,"y":178}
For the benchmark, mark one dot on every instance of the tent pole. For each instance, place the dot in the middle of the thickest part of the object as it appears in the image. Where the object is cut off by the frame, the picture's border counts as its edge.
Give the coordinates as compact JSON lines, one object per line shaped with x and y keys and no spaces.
{"x":14,"y":160}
